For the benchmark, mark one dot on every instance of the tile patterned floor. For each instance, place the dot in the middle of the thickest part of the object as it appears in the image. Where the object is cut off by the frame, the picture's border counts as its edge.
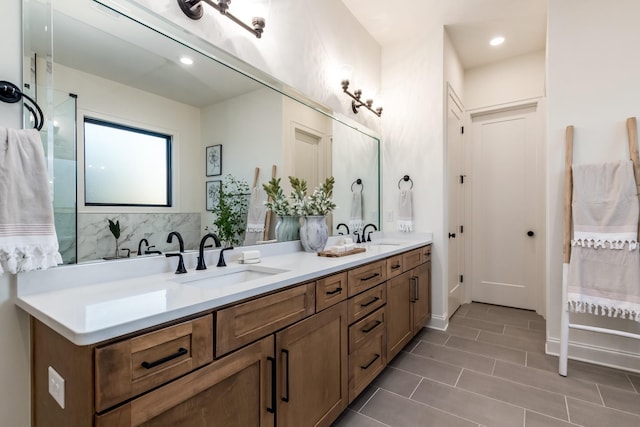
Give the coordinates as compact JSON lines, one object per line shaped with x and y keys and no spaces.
{"x":490,"y":369}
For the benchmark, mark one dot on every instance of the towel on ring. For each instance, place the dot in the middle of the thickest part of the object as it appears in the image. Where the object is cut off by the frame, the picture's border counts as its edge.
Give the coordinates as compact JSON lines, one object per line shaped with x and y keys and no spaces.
{"x":355,"y":217}
{"x":28,"y":238}
{"x":405,"y":211}
{"x":256,"y":216}
{"x":603,"y":278}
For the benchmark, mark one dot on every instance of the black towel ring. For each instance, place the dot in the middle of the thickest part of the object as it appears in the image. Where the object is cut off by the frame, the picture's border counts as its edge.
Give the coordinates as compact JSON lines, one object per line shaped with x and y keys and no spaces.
{"x":11,"y":93}
{"x":359,"y":182}
{"x":406,"y":178}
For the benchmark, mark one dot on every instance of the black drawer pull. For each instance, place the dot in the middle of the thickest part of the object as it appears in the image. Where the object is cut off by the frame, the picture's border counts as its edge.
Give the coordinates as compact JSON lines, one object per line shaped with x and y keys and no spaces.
{"x":395,"y":267}
{"x":286,"y":383}
{"x":373,"y":276}
{"x":181,"y":352}
{"x":335,"y":291}
{"x":366,"y":331}
{"x":374,"y":299}
{"x":377,"y":356}
{"x":272,"y":409}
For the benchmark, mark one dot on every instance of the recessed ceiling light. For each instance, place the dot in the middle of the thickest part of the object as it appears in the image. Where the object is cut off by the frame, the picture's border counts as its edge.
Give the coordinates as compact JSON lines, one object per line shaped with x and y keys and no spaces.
{"x":496,"y":41}
{"x":186,"y":60}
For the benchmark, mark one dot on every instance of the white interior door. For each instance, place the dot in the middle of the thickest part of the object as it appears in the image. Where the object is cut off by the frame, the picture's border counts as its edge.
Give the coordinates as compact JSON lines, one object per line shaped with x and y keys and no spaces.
{"x":455,"y":202}
{"x":506,"y":187}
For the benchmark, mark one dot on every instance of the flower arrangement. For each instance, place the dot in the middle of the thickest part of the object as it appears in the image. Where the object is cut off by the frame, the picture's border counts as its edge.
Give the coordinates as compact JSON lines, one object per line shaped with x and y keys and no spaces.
{"x":230,"y":210}
{"x":319,"y":203}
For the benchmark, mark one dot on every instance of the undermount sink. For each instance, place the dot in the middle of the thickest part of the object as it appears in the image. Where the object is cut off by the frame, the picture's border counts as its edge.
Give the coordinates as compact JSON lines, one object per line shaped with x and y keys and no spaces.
{"x":217,"y":277}
{"x":387,"y":242}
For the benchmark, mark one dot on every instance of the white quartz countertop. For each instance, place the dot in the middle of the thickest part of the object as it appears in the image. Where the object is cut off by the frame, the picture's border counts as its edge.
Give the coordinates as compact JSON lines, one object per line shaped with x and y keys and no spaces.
{"x":89,"y":303}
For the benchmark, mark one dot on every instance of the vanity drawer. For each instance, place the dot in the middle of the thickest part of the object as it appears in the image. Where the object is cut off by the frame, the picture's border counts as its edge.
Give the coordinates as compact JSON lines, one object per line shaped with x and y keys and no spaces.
{"x":365,"y":303}
{"x":331,"y":290}
{"x":412,"y":259}
{"x":366,"y":329}
{"x":365,"y":364}
{"x":394,"y":266}
{"x":426,"y":253}
{"x":243,"y":323}
{"x":128,"y":368}
{"x":367,"y":276}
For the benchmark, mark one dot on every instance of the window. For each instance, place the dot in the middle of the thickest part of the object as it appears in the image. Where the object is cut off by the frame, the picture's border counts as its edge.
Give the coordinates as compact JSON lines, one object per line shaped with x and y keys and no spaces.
{"x":125,"y":166}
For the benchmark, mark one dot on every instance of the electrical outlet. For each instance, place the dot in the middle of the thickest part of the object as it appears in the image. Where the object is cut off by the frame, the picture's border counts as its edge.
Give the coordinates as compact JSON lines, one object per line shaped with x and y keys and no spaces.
{"x":56,"y":386}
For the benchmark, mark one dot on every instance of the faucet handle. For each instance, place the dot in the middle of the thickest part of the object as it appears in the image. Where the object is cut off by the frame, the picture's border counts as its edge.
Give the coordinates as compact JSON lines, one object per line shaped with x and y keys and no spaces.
{"x":221,"y":262}
{"x":181,"y":269}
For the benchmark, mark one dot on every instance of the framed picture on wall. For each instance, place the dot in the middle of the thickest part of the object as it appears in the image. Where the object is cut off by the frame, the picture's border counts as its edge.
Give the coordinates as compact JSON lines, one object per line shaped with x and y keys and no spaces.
{"x":214,"y":160}
{"x":212,"y":194}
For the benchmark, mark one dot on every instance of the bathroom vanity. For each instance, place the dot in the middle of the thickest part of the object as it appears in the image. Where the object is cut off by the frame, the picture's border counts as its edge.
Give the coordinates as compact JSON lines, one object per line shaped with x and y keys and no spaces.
{"x":291,"y":343}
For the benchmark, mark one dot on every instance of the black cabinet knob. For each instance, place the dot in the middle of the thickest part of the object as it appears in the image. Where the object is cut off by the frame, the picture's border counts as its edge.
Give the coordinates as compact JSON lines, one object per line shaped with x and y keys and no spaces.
{"x":452,"y":235}
{"x":530,"y":233}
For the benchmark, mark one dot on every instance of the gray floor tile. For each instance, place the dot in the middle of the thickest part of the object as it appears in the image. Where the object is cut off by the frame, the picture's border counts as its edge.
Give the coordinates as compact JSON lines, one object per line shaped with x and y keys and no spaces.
{"x":362,"y":398}
{"x":635,"y":380}
{"x":430,"y":335}
{"x":455,"y":357}
{"x":471,"y":406}
{"x":628,"y":401}
{"x":583,"y":371}
{"x":534,"y":419}
{"x":534,"y":334}
{"x":397,"y":381}
{"x":427,"y":368}
{"x":398,"y":411}
{"x":463,"y":331}
{"x":549,"y":381}
{"x":507,"y":319}
{"x":520,"y":343}
{"x":354,"y":419}
{"x":542,"y":401}
{"x":589,"y":415}
{"x":538,"y":325}
{"x":477,"y":324}
{"x":487,"y":349}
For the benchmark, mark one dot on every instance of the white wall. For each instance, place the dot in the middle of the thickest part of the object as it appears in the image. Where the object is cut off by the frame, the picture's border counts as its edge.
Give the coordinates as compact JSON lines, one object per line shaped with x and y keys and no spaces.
{"x":593,"y":84}
{"x":15,"y":389}
{"x":510,"y":80}
{"x":413,"y":144}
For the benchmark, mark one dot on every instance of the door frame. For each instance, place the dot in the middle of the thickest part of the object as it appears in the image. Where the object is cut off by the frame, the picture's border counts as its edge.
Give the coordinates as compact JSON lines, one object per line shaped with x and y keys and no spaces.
{"x":539,"y":303}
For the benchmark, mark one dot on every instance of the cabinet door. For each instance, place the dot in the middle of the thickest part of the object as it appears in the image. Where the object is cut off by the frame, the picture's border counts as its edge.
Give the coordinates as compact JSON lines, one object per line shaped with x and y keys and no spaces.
{"x":399,"y":314}
{"x":420,"y":295}
{"x":234,"y":391}
{"x":312,"y":361}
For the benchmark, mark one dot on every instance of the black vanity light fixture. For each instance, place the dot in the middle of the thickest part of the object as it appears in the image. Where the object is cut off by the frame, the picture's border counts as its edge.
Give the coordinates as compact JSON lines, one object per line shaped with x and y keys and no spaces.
{"x":357,"y":102}
{"x":193,"y":9}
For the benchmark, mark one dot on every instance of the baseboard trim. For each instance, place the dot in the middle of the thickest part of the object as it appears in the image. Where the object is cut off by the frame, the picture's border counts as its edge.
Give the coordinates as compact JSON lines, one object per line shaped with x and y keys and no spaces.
{"x":597,"y":355}
{"x":438,"y":322}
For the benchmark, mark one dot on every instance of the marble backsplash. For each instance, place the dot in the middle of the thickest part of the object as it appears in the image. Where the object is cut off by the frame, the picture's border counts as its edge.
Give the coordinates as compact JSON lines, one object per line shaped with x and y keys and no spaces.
{"x":95,"y":241}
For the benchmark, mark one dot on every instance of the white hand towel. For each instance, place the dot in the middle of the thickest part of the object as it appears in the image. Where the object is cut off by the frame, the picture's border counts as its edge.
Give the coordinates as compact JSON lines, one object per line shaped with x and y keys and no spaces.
{"x":256,"y":216}
{"x":355,"y":217}
{"x":28,"y":238}
{"x":405,"y":211}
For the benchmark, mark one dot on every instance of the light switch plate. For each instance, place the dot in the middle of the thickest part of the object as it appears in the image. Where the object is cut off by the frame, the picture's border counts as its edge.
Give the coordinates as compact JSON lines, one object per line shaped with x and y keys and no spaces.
{"x":56,"y":386}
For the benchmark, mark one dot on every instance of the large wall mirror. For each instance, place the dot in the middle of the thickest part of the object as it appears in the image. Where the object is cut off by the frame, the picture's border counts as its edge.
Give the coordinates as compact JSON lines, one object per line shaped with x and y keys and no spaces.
{"x":84,"y":60}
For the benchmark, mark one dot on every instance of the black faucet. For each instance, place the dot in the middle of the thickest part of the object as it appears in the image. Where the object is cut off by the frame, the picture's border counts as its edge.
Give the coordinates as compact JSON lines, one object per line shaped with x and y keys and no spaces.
{"x":221,"y":262}
{"x":201,"y":264}
{"x":180,"y":241}
{"x":345,"y":226}
{"x":149,"y":251}
{"x":146,"y":242}
{"x":368,"y":235}
{"x":180,"y":269}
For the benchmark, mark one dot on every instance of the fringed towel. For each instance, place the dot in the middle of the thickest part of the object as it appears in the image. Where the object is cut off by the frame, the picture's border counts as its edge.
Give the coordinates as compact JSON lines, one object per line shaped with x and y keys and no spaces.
{"x":405,"y":211}
{"x":355,"y":217}
{"x":604,"y":270}
{"x":256,"y":216}
{"x":28,"y":238}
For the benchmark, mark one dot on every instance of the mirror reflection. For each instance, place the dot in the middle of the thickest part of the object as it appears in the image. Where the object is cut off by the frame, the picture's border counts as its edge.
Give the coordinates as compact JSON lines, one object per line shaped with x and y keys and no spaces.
{"x":101,"y":64}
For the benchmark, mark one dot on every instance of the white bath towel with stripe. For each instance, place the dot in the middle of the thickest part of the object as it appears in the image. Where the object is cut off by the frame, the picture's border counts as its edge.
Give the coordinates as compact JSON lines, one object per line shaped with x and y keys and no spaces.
{"x":28,"y":238}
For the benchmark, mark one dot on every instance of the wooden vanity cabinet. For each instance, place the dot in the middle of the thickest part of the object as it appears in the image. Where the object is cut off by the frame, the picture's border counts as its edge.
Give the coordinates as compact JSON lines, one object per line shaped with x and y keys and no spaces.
{"x":312,"y":369}
{"x":234,"y":391}
{"x":408,"y":300}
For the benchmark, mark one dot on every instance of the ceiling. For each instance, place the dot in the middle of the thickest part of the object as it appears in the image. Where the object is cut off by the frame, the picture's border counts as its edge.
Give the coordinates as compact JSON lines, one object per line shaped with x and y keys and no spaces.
{"x":469,"y":23}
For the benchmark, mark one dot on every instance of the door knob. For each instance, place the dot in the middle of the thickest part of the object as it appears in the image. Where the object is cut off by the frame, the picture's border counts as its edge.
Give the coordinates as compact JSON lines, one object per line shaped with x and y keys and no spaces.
{"x":452,"y":235}
{"x":530,"y":233}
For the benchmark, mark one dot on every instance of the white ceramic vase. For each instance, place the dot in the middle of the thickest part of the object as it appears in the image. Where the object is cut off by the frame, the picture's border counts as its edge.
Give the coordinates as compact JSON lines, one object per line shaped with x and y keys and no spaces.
{"x":314,"y":233}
